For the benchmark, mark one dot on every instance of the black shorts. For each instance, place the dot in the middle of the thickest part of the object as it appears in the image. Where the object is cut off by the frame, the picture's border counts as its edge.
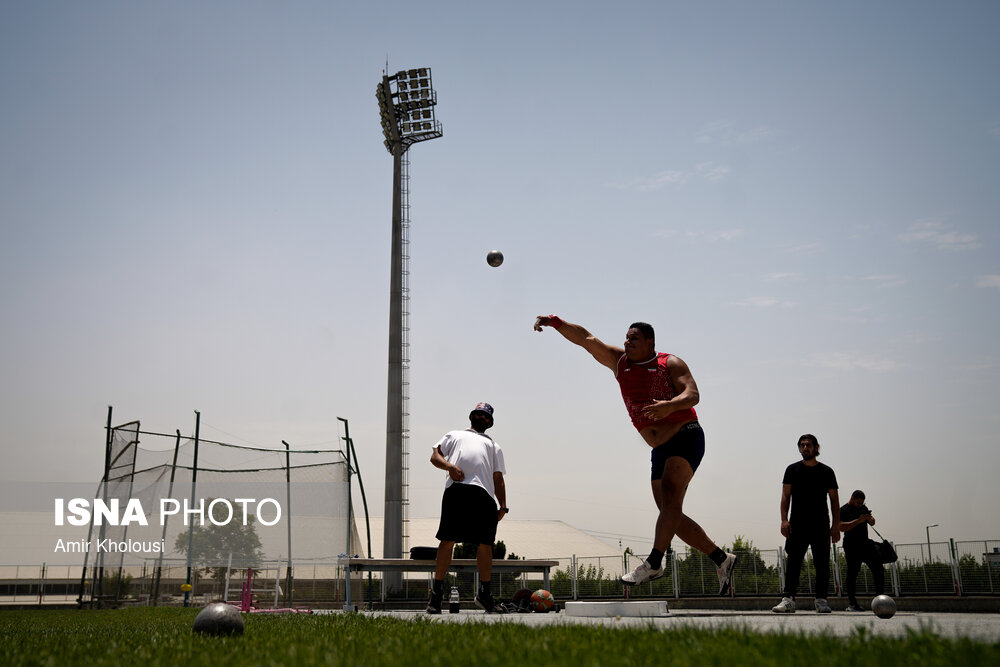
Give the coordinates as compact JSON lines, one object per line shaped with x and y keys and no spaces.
{"x":468,"y":514}
{"x":688,"y":443}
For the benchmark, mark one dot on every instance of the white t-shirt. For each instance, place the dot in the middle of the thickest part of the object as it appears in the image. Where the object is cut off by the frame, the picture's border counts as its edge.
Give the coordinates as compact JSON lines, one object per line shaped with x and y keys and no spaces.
{"x":477,"y":454}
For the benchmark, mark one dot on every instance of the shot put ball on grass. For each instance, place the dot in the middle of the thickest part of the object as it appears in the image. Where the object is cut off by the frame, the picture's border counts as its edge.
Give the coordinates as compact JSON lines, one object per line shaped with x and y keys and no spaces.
{"x":219,"y":618}
{"x":494,"y":258}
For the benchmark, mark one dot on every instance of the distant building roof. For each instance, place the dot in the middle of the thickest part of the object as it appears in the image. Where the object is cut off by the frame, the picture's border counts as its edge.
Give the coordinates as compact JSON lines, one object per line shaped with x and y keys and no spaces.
{"x":555,"y":540}
{"x":32,"y":539}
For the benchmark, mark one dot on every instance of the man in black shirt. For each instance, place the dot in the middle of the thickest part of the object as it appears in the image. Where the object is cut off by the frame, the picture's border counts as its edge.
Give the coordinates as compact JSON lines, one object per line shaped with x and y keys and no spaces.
{"x":805,"y":488}
{"x":855,"y":517}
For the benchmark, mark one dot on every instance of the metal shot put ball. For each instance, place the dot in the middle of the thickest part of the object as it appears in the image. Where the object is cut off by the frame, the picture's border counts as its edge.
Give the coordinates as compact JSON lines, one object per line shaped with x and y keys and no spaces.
{"x":494,"y":258}
{"x":883,"y":606}
{"x":219,"y":618}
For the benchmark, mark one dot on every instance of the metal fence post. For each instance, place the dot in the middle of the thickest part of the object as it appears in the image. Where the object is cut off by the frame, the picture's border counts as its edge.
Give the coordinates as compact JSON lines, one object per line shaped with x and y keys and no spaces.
{"x":989,"y":566}
{"x":676,"y":575}
{"x":956,"y":573}
{"x":701,"y":570}
{"x":836,"y":572}
{"x":781,"y":570}
{"x":576,"y":590}
{"x":805,"y":567}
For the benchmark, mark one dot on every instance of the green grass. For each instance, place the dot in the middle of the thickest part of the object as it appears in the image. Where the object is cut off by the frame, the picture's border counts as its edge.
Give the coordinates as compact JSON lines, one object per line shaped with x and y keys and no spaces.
{"x":163,"y":636}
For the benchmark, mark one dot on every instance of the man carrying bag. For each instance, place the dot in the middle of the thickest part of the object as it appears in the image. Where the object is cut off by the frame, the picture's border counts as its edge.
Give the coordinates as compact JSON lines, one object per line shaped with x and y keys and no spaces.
{"x":855,"y":517}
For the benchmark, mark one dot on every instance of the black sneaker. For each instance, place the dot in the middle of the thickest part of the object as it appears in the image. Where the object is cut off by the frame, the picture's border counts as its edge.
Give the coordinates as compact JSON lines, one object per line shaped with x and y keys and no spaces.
{"x":434,"y":604}
{"x":487,"y":604}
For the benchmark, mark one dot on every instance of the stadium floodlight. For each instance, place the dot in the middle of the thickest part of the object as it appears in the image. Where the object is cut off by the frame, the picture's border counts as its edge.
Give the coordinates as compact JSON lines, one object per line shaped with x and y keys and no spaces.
{"x":406,"y":102}
{"x":400,"y":94}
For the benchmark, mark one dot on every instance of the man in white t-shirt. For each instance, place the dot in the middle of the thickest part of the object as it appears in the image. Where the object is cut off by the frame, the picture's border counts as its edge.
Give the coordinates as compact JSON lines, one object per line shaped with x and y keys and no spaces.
{"x":469,"y":513}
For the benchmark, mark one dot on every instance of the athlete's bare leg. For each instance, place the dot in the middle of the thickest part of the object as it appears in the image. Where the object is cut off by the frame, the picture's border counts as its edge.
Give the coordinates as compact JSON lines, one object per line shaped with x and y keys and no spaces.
{"x":673,"y":485}
{"x":443,"y":560}
{"x":484,"y":561}
{"x":686,"y":528}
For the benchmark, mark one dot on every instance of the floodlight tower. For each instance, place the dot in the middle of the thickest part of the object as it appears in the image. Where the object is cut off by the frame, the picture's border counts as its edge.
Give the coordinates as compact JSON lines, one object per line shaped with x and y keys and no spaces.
{"x":406,"y":103}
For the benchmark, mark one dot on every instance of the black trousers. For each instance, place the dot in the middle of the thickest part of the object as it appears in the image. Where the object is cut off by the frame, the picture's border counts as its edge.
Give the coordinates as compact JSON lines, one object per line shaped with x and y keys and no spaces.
{"x":795,"y":547}
{"x":856,"y":555}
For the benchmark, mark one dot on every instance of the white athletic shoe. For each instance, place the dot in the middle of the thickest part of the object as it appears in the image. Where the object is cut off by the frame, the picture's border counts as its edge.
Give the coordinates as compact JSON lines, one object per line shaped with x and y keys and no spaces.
{"x":786,"y":606}
{"x":822,"y":607}
{"x":725,"y":572}
{"x":641,"y":574}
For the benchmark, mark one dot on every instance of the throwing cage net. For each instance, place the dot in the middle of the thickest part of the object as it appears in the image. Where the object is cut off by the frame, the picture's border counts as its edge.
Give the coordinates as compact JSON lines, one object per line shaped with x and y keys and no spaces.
{"x":181,"y":520}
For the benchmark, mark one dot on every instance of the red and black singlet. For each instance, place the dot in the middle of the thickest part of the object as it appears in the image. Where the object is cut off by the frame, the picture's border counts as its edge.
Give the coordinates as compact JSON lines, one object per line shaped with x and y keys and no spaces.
{"x":644,"y":382}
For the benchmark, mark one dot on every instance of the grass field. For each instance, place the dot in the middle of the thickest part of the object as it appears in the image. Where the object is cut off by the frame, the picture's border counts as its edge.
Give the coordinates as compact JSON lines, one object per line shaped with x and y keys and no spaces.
{"x":163,"y":636}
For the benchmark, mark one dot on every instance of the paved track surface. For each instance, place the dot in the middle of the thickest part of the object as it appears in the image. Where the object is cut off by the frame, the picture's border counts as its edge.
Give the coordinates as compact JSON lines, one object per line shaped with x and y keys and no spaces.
{"x":980,"y":627}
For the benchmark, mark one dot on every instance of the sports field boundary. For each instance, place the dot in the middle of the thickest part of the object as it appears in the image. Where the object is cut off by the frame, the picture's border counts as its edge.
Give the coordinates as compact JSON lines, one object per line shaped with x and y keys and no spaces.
{"x":930,"y":604}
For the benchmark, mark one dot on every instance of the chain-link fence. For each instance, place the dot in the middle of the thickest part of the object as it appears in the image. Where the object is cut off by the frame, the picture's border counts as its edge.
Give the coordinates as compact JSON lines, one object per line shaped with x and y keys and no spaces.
{"x":28,"y":584}
{"x":939,"y":568}
{"x":944,"y":568}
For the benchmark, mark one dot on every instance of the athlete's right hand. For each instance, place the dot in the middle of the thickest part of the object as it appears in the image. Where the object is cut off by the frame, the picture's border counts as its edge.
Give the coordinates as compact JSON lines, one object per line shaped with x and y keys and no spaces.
{"x":786,"y":529}
{"x":456,"y":473}
{"x":553,"y":321}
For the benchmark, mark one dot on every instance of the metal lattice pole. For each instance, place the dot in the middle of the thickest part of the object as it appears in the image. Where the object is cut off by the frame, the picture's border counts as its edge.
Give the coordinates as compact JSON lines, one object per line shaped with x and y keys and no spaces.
{"x":406,"y":104}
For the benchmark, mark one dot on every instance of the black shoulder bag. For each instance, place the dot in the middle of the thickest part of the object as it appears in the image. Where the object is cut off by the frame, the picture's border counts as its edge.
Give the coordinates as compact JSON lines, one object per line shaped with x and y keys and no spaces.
{"x":885,"y":551}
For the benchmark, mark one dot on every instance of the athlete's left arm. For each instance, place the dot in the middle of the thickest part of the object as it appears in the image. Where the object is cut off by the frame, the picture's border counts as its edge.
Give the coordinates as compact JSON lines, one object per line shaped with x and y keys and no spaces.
{"x":687,"y":390}
{"x":835,"y":509}
{"x":500,"y":489}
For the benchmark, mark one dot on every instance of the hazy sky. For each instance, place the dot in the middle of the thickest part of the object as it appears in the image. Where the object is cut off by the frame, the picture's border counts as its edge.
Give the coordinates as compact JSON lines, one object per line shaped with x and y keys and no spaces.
{"x":802,"y":198}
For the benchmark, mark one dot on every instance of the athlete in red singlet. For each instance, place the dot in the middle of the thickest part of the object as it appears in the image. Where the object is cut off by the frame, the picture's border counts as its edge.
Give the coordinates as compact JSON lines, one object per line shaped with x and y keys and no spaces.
{"x":642,"y":383}
{"x":660,"y":394}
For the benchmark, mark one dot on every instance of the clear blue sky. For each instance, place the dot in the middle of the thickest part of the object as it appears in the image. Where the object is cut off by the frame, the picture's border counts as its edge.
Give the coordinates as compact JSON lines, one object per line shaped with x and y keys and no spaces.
{"x":801,"y":197}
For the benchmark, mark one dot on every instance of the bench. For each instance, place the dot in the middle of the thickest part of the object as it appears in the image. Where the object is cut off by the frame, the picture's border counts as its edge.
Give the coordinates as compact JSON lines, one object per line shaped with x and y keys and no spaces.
{"x":457,"y":564}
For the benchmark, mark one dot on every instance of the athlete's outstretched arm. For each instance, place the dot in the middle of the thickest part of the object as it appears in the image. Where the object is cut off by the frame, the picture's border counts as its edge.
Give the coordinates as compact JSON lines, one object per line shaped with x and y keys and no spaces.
{"x":606,"y":355}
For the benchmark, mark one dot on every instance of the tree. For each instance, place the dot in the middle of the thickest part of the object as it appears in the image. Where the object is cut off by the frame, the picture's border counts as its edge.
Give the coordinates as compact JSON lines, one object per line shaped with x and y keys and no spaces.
{"x":975,"y":574}
{"x":212,"y":545}
{"x":752,"y":576}
{"x":116,"y":584}
{"x":592,"y":580}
